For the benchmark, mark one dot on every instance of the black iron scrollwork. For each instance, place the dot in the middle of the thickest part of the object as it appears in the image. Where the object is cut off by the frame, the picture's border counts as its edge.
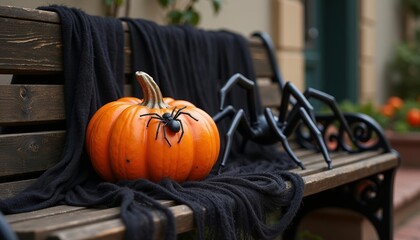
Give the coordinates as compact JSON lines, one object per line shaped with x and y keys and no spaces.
{"x":367,"y":134}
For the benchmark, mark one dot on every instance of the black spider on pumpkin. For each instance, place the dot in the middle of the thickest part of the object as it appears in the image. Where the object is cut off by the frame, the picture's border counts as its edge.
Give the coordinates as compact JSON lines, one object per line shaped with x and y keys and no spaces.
{"x":169,"y":120}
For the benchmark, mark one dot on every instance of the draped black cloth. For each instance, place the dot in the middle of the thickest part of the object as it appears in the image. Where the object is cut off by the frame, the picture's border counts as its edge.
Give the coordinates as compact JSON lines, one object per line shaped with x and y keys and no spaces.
{"x":188,"y":64}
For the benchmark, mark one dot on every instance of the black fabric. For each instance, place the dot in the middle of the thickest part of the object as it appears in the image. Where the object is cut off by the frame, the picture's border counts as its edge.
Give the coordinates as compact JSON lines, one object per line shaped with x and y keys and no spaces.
{"x":188,"y":64}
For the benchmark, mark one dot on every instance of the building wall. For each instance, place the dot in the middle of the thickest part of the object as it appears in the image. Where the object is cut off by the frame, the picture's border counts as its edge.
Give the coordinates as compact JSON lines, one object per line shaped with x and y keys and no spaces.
{"x":388,"y":34}
{"x":288,"y":25}
{"x":380,"y":31}
{"x":367,"y":50}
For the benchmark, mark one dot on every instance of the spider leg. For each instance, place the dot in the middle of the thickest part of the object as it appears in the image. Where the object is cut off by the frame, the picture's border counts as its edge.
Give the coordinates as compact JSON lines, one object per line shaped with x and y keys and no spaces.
{"x":248,"y":85}
{"x":301,"y":101}
{"x":238,"y":117}
{"x":151,"y":114}
{"x":283,"y":139}
{"x":173,"y":110}
{"x":316,"y":134}
{"x":229,"y":110}
{"x":157,"y":130}
{"x":150,"y":119}
{"x":178,"y":112}
{"x":332,"y":104}
{"x":182,"y":130}
{"x":164,"y":135}
{"x":188,"y":114}
{"x":154,"y":116}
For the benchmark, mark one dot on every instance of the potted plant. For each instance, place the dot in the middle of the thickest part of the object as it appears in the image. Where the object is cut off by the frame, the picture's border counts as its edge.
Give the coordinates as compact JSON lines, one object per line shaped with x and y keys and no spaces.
{"x":401,"y":119}
{"x":401,"y":122}
{"x":177,"y":12}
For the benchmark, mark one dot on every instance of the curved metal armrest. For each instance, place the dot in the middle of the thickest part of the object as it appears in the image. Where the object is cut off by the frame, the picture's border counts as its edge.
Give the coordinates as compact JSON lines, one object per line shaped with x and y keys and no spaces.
{"x":367,"y":133}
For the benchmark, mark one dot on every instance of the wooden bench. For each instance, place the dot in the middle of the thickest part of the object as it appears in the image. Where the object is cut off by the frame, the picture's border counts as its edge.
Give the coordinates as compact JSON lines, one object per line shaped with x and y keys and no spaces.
{"x":30,"y":43}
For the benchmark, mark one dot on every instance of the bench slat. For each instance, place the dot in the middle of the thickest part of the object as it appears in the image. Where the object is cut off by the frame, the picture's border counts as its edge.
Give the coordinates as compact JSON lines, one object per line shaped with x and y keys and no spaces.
{"x":39,"y":224}
{"x":61,"y":209}
{"x":39,"y":228}
{"x":324,"y":180}
{"x":57,"y":210}
{"x":43,"y":103}
{"x":27,"y":47}
{"x":29,"y":152}
{"x":29,"y":14}
{"x":107,"y":230}
{"x":114,"y":229}
{"x":45,"y":55}
{"x":10,"y":189}
{"x":31,"y":103}
{"x":270,"y":95}
{"x":321,"y":166}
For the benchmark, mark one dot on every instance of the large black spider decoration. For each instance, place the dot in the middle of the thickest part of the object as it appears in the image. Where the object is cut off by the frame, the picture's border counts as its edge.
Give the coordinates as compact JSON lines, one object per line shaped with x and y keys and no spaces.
{"x":266,"y":128}
{"x":169,"y":120}
{"x":309,"y":93}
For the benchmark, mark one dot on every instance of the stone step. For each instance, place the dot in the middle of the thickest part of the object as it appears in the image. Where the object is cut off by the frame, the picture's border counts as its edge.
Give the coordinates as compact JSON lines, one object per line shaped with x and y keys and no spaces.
{"x":406,"y":194}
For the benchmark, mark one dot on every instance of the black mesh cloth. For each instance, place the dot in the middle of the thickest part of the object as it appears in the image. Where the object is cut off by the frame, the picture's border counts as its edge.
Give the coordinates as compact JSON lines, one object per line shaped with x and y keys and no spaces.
{"x":188,"y":64}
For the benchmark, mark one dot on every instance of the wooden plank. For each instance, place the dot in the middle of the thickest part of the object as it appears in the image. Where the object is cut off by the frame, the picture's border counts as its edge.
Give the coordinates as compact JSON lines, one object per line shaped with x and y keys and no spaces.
{"x":31,"y":103}
{"x":114,"y":229}
{"x":56,"y":210}
{"x":318,"y":158}
{"x":46,"y":212}
{"x":30,"y":152}
{"x":40,"y":223}
{"x":10,"y":189}
{"x":270,"y":94}
{"x":29,"y":14}
{"x":33,"y":44}
{"x":39,"y":228}
{"x":42,"y":103}
{"x":107,"y":230}
{"x":324,"y":180}
{"x":260,"y":59}
{"x":29,"y":46}
{"x":337,"y":162}
{"x":34,"y":103}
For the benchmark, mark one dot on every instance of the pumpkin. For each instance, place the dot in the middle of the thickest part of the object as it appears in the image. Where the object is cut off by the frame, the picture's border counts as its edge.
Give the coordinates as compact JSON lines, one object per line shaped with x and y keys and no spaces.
{"x":153,"y":138}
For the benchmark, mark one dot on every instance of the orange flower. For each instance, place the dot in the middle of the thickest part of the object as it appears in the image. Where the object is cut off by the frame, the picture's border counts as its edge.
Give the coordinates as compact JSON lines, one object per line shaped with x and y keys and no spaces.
{"x":395,"y":102}
{"x":387,"y":110}
{"x":413,"y":117}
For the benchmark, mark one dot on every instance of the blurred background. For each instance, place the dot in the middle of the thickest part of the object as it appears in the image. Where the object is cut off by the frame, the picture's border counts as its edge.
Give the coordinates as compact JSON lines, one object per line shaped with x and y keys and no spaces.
{"x":344,"y":47}
{"x":366,"y":53}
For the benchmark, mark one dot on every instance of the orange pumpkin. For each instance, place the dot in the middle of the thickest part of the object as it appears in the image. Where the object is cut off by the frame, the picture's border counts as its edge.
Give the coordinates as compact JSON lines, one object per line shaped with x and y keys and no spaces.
{"x":154,"y":138}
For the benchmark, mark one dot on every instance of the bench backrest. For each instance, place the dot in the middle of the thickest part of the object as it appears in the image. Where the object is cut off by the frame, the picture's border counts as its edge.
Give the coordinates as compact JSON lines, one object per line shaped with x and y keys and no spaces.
{"x":32,"y":114}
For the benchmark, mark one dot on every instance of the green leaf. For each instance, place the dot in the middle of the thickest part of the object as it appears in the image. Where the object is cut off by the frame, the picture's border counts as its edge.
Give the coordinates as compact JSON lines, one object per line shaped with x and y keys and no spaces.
{"x":216,"y":5}
{"x":119,"y":2}
{"x":165,"y":3}
{"x":401,"y":126}
{"x":191,"y":17}
{"x":175,"y":17}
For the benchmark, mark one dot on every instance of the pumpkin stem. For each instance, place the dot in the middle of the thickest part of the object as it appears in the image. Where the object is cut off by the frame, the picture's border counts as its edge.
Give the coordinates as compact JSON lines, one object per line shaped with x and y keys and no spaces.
{"x":152,"y":95}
